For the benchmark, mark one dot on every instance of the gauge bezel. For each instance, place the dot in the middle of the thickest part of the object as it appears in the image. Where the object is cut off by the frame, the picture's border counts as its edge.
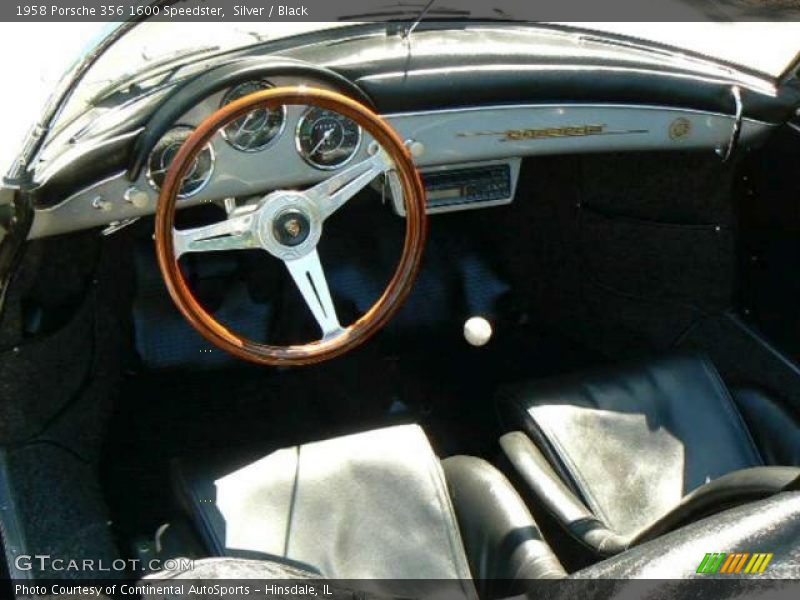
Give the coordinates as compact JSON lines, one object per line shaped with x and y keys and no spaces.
{"x":273,"y":140}
{"x":206,"y":181}
{"x":312,"y":162}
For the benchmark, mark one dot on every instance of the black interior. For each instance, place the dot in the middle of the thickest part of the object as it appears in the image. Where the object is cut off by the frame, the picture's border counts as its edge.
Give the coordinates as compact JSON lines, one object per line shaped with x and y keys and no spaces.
{"x":600,"y":258}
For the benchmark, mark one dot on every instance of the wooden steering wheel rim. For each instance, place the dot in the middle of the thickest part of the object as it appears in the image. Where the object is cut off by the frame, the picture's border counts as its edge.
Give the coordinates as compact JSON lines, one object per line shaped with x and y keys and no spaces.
{"x":398,"y":287}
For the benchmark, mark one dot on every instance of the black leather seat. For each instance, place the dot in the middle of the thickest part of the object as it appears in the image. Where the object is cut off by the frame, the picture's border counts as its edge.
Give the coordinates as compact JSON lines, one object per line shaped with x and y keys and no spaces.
{"x":376,"y":506}
{"x":770,"y":526}
{"x":378,"y":512}
{"x":616,"y":457}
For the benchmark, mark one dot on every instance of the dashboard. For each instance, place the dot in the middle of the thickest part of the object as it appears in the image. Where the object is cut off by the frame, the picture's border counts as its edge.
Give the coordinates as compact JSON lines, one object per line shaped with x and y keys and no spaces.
{"x":301,"y":145}
{"x":469,"y":150}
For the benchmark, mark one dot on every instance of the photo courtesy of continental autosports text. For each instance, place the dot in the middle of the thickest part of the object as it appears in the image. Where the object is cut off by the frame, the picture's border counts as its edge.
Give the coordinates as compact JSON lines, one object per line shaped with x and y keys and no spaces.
{"x":143,"y":590}
{"x":400,"y":299}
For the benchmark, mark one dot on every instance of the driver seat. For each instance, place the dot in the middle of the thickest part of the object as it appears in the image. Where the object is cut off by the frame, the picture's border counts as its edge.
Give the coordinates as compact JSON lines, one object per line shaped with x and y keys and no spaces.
{"x":376,"y":506}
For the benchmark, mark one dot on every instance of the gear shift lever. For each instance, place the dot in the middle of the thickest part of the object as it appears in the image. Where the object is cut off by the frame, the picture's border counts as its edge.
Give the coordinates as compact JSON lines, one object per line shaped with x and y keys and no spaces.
{"x":477,"y":331}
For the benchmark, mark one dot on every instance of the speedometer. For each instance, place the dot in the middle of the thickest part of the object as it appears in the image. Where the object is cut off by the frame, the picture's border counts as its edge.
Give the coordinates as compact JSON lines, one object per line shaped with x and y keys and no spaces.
{"x":164,"y":153}
{"x":325,"y":139}
{"x":257,"y":129}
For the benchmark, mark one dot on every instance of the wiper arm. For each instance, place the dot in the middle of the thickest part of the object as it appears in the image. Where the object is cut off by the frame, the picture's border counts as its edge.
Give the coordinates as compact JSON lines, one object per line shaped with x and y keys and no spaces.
{"x":146,"y":69}
{"x":419,"y":18}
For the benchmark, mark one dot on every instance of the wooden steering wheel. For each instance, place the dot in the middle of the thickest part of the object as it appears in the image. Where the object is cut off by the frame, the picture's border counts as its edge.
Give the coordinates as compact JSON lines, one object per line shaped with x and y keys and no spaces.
{"x":288,"y":225}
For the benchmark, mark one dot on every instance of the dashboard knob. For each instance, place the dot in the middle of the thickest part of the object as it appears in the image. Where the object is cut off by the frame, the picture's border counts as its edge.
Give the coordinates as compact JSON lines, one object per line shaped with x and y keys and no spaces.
{"x":416,"y":148}
{"x":99,"y":203}
{"x":137,"y":197}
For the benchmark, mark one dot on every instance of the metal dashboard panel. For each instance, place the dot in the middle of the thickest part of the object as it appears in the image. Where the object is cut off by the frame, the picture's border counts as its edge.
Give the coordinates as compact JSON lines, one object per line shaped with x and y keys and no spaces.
{"x":462,"y":135}
{"x":449,"y":137}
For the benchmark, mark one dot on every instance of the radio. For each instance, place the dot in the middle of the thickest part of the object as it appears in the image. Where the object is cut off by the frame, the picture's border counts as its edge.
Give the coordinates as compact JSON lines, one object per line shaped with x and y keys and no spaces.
{"x":467,"y":186}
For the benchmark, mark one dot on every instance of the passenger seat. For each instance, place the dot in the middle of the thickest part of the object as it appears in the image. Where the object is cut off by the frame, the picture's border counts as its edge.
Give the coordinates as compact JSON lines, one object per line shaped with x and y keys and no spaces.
{"x":612,"y":458}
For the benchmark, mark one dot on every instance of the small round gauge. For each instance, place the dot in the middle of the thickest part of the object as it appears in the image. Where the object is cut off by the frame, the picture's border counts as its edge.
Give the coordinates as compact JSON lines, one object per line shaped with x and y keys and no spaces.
{"x":164,"y":153}
{"x":326,"y":139}
{"x":257,"y":129}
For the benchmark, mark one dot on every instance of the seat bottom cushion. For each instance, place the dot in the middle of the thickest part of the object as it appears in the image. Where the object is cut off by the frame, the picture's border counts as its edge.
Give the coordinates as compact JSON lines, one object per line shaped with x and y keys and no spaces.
{"x":372,"y":505}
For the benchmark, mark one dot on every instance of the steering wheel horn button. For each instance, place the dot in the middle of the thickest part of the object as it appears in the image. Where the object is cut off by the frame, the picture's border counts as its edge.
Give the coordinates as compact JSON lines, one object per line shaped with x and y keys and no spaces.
{"x":291,"y":228}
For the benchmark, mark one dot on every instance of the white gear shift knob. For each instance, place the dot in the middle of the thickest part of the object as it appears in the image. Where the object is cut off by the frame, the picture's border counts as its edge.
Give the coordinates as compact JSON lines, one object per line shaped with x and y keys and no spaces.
{"x":477,"y":331}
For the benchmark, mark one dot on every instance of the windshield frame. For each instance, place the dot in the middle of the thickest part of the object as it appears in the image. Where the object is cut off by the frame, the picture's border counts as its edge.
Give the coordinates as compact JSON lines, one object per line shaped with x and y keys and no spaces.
{"x":19,"y":174}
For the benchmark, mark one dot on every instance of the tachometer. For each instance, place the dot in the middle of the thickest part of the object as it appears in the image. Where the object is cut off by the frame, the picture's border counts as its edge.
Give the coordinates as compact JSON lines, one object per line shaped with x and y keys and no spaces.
{"x":257,"y":129}
{"x":325,"y":139}
{"x":164,"y":153}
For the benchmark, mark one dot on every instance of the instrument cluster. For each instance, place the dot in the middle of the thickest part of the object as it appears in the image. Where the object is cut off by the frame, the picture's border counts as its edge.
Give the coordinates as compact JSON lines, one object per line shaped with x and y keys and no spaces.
{"x":324,"y":139}
{"x":257,"y":130}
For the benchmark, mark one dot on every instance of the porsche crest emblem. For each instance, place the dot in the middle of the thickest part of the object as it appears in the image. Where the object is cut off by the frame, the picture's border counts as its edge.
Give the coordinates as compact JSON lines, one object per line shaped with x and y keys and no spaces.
{"x":680,"y":128}
{"x":293,"y":227}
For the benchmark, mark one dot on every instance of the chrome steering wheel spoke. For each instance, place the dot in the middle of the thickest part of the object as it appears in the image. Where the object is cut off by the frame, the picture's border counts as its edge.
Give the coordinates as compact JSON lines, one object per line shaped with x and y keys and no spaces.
{"x":288,"y":225}
{"x":333,"y":193}
{"x":234,"y":233}
{"x":310,"y":279}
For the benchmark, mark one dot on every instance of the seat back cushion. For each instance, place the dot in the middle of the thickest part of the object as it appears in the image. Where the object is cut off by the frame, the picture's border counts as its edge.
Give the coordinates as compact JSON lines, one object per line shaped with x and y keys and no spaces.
{"x":633,"y":441}
{"x":372,"y":505}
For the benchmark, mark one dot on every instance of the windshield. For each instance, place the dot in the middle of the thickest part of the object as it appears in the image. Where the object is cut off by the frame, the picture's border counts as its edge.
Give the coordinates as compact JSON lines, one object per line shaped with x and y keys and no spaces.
{"x":765,"y":47}
{"x":147,"y":44}
{"x":152,"y":43}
